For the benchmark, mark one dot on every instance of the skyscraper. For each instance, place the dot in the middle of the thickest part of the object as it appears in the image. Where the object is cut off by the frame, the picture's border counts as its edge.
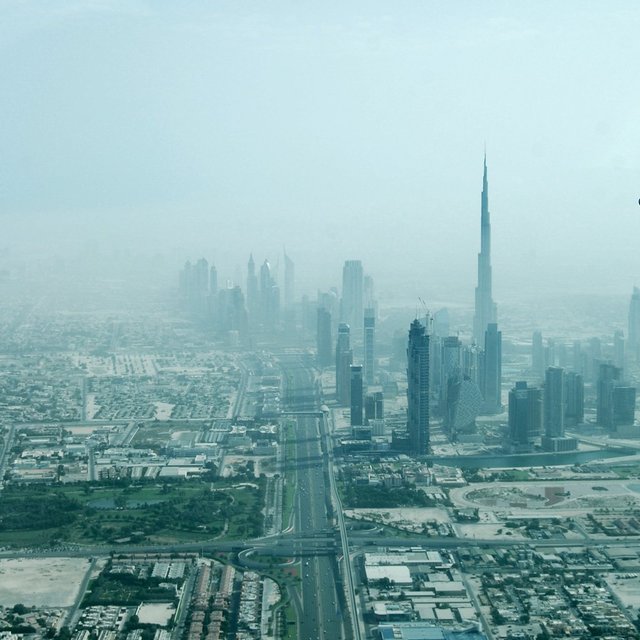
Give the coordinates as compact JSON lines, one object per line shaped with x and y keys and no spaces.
{"x":486,"y":311}
{"x":418,"y":388}
{"x":464,"y":402}
{"x":213,"y":294}
{"x":269,"y":298}
{"x":213,"y":280}
{"x":252,"y":290}
{"x":289,"y":282}
{"x":373,"y":406}
{"x":618,"y":349}
{"x":537,"y":355}
{"x":352,"y":295}
{"x":608,"y":380}
{"x":525,"y":416}
{"x":344,"y":360}
{"x":624,"y":406}
{"x":574,"y":399}
{"x":450,"y":372}
{"x":369,"y":344}
{"x":492,"y":370}
{"x":194,"y":287}
{"x":369,"y":297}
{"x":554,"y":402}
{"x":357,"y":396}
{"x":323,"y":337}
{"x":633,"y":334}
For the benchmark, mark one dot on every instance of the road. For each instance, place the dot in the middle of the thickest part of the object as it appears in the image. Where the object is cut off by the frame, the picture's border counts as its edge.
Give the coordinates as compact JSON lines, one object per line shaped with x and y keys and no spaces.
{"x":69,"y":620}
{"x":6,"y":448}
{"x":320,"y":616}
{"x":347,"y":570}
{"x":183,"y":605}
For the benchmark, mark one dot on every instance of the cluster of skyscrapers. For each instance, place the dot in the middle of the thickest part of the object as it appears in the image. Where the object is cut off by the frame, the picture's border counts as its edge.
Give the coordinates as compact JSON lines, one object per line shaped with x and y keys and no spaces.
{"x":232,"y":310}
{"x":464,"y":379}
{"x":454,"y":380}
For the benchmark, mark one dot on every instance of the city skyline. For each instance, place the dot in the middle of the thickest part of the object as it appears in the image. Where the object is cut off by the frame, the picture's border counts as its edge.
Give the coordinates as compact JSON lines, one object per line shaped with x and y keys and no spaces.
{"x":149,"y":180}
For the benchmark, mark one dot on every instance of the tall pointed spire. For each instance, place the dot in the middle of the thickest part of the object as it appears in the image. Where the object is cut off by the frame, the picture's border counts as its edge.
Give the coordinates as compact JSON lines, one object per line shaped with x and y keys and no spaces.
{"x":485,"y":309}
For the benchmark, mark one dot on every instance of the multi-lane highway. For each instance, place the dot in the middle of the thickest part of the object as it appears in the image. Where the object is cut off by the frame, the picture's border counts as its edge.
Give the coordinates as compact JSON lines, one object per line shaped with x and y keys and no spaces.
{"x":320,"y":616}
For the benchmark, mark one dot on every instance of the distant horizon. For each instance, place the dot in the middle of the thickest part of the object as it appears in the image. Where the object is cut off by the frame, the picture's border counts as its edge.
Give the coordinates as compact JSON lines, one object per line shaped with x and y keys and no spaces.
{"x":353,"y":132}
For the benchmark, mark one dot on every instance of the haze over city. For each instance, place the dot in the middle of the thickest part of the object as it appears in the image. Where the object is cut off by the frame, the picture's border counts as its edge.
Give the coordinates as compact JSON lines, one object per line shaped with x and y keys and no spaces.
{"x":216,"y":129}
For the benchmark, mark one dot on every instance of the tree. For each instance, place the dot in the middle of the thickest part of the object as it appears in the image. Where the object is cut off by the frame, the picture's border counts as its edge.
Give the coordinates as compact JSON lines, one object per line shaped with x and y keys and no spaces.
{"x":120,"y":501}
{"x":132,"y":622}
{"x":64,"y":633}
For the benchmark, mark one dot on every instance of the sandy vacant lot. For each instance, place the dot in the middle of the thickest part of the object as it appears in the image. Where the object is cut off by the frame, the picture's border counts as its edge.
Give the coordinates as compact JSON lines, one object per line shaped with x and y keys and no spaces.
{"x":156,"y":613}
{"x":627,"y":587}
{"x":41,"y":582}
{"x":554,"y":496}
{"x":403,"y":515}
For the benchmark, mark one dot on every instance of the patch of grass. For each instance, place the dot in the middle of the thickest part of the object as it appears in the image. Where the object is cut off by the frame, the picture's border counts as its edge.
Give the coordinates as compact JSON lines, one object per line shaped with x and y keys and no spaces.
{"x":627,"y":471}
{"x":124,"y":590}
{"x":290,"y":622}
{"x":514,"y":475}
{"x":183,"y":511}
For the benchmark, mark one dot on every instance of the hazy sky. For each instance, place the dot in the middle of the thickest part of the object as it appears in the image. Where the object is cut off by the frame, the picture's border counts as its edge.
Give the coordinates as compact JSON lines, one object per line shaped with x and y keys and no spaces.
{"x":341,"y":129}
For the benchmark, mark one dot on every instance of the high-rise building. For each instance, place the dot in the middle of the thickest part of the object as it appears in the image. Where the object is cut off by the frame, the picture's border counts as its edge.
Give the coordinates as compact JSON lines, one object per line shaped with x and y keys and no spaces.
{"x":550,"y":354}
{"x":373,"y":406}
{"x":418,"y":388}
{"x":537,"y":355}
{"x":616,"y":400}
{"x":464,"y":402}
{"x":492,"y":370}
{"x":435,"y":368}
{"x":525,"y":416}
{"x":485,"y":309}
{"x":450,"y":372}
{"x":289,"y":314}
{"x":289,"y":282}
{"x":352,"y":296}
{"x":212,"y":301}
{"x":344,"y":360}
{"x":595,"y":359}
{"x":357,"y":396}
{"x":633,"y":334}
{"x":618,"y":349}
{"x":608,"y":379}
{"x":574,"y":399}
{"x":252,"y":291}
{"x":369,"y":296}
{"x":577,"y":356}
{"x":554,"y":402}
{"x":330,"y":300}
{"x":471,"y":363}
{"x":269,"y":298}
{"x":194,"y":287}
{"x":232,"y":314}
{"x":202,"y":276}
{"x":624,"y":406}
{"x":369,"y":345}
{"x":213,"y":281}
{"x":323,"y":337}
{"x":555,"y":410}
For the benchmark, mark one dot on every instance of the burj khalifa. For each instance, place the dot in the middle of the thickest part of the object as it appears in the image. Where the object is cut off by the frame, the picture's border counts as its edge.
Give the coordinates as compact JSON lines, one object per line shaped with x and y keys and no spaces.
{"x":486,"y":310}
